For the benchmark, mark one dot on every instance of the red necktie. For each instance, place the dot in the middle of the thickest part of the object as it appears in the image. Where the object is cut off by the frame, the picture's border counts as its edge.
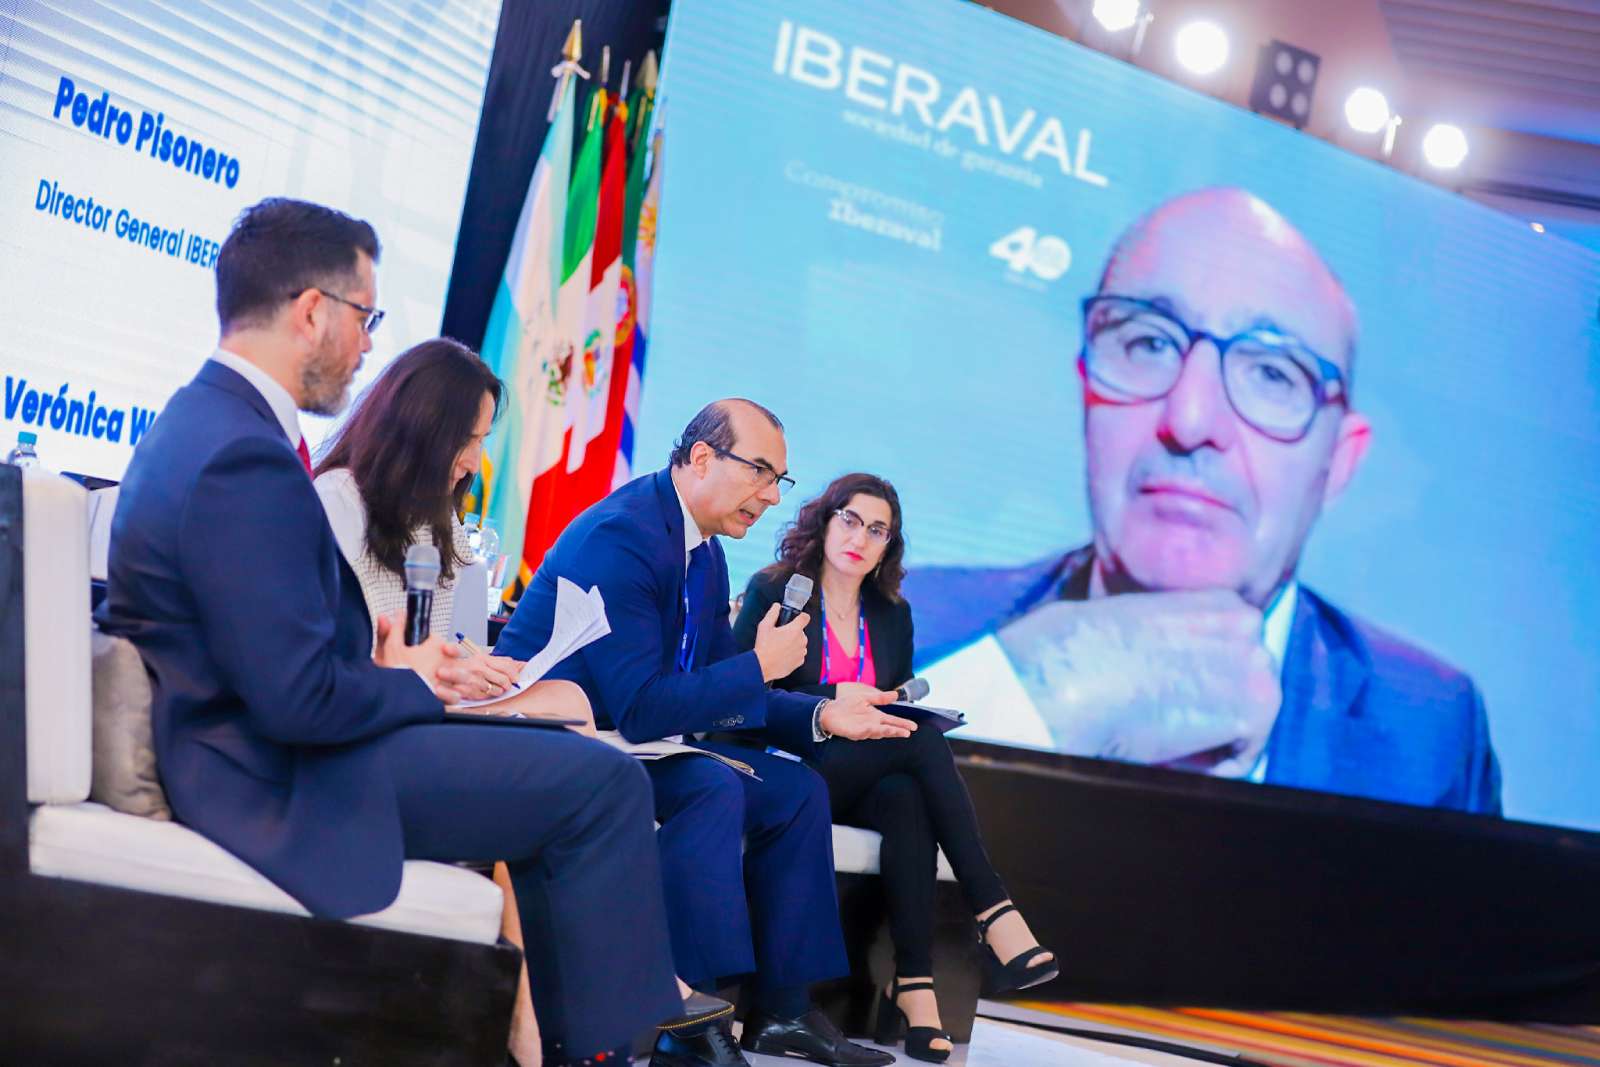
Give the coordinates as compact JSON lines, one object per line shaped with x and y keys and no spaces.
{"x":305,"y":454}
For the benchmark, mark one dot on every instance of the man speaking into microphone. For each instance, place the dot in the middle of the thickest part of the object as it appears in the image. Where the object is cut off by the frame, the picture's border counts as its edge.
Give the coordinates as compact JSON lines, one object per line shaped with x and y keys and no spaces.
{"x":670,"y":668}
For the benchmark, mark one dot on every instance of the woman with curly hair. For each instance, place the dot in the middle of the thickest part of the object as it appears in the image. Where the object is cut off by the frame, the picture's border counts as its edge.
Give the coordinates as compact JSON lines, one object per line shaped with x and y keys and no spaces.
{"x":849,"y":541}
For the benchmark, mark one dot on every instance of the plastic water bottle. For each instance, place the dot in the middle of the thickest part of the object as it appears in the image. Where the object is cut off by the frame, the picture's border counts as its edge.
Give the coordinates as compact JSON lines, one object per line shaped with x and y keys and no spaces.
{"x":489,"y":552}
{"x":489,"y":542}
{"x":24,"y":455}
{"x":469,"y":523}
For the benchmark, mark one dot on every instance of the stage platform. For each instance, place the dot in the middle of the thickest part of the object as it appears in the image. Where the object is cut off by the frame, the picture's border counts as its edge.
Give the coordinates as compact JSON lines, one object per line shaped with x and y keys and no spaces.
{"x":998,"y":1043}
{"x":1270,"y":1039}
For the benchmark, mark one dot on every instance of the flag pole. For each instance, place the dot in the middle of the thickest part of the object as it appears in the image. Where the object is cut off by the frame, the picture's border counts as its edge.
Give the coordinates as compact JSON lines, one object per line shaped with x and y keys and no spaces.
{"x":571,"y":52}
{"x":649,"y":73}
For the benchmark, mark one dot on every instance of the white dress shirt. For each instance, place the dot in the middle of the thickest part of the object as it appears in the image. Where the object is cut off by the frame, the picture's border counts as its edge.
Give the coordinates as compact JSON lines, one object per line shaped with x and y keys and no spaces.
{"x":980,"y":680}
{"x":692,"y":537}
{"x":276,"y":396}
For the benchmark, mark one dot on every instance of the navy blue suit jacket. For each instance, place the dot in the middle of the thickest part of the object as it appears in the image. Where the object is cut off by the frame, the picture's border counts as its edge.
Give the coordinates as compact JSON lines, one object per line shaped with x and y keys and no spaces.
{"x":631,"y":545}
{"x":225,"y":575}
{"x":1364,"y":713}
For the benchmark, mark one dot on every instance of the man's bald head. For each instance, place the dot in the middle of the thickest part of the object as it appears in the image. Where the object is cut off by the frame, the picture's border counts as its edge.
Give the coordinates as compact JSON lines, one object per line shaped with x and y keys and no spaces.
{"x":1222,"y":235}
{"x":726,"y":464}
{"x":1183,"y":491}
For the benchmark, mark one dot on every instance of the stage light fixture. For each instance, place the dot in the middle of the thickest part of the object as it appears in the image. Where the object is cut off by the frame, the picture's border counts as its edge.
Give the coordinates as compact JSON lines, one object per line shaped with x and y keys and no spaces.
{"x":1537,"y":227}
{"x":1116,"y":15}
{"x":1366,"y":110}
{"x":1202,"y":47}
{"x":1444,"y":146}
{"x":1286,"y":77}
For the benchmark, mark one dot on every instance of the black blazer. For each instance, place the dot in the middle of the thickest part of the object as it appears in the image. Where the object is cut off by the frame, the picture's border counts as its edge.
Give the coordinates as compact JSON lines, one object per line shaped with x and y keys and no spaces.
{"x":888,"y":624}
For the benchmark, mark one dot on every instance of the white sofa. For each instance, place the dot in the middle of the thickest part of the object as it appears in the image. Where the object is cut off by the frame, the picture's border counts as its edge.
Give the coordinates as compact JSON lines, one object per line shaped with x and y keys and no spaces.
{"x":70,"y":837}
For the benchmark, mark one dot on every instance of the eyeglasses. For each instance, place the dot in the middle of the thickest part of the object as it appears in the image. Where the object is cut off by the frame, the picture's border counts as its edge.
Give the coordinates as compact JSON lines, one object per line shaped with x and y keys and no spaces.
{"x":764,"y":475}
{"x":853,"y":522}
{"x":373,"y":315}
{"x":1134,"y":350}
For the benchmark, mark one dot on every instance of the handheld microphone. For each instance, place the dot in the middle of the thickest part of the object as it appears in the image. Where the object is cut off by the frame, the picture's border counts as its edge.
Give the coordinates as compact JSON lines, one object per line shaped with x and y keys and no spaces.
{"x":796,"y":595}
{"x":913,"y":690}
{"x":422,"y":576}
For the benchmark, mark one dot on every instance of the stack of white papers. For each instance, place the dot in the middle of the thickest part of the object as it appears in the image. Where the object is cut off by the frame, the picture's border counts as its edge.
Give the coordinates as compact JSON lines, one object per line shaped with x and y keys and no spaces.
{"x":580,"y":619}
{"x":653,"y":750}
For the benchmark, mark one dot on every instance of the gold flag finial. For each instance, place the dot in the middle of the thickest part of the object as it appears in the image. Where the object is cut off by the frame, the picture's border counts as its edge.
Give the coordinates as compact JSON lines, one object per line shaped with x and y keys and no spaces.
{"x":648,"y":72}
{"x":563,"y":71}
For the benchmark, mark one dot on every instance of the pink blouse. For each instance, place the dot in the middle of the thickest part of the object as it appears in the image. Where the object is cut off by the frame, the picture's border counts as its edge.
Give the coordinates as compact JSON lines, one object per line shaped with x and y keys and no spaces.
{"x":841,"y":665}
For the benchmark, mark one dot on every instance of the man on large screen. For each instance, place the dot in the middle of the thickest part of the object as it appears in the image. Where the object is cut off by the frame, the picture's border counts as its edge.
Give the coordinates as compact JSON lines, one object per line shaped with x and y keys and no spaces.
{"x":1217,"y":365}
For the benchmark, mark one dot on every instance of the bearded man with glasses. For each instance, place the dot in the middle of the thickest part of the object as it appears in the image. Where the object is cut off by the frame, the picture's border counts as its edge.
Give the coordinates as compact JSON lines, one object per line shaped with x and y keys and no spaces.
{"x":1217,"y":362}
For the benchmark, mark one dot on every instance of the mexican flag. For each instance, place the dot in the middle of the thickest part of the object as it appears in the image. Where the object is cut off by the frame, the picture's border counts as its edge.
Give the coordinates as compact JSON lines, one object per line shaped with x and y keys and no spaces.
{"x":545,"y":520}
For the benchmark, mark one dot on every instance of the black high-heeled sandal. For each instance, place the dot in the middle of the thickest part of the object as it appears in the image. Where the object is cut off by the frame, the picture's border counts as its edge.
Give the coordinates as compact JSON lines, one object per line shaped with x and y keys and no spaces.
{"x":893,"y":1025}
{"x":1020,"y":971}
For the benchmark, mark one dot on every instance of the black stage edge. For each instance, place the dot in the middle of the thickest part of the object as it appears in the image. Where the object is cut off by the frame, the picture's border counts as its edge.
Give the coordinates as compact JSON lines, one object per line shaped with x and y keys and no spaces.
{"x":512,"y":127}
{"x":1162,"y":888}
{"x":91,"y":974}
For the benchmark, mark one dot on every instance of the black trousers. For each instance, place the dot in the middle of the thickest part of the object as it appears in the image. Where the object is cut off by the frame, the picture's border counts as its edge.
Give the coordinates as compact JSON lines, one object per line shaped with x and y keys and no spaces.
{"x":909,"y":790}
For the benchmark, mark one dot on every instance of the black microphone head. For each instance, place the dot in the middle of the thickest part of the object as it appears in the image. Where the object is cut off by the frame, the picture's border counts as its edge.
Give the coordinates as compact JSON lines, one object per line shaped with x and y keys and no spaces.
{"x":422,"y":568}
{"x":797,"y":594}
{"x":915,"y":689}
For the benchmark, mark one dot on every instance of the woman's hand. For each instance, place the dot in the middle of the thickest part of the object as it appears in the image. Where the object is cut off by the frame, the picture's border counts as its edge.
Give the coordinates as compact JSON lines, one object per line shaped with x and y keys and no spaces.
{"x":484,"y":676}
{"x":551,"y":698}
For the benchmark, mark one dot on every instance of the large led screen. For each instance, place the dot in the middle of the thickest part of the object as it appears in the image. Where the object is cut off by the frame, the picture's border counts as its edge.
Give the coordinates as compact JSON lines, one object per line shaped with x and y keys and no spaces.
{"x":1219,"y":448}
{"x":132,"y":134}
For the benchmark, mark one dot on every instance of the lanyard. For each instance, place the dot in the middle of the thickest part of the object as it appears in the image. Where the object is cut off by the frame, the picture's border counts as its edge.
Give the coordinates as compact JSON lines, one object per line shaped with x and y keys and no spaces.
{"x":685,"y":648}
{"x":861,"y":641}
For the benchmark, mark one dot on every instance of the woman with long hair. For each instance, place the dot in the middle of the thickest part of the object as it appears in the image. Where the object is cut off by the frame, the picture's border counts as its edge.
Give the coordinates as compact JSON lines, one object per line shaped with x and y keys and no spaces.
{"x":850,"y":542}
{"x":394,"y":476}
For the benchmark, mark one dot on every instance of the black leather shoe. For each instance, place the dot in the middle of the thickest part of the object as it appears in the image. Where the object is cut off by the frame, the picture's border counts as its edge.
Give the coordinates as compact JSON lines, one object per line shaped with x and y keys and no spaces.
{"x":698,"y":1010}
{"x":812,"y":1036}
{"x":710,"y":1046}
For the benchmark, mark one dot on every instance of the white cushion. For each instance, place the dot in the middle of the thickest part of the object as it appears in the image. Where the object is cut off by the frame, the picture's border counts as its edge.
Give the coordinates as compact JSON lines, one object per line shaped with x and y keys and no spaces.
{"x":55,"y":590}
{"x":855,"y":851}
{"x":92,"y":843}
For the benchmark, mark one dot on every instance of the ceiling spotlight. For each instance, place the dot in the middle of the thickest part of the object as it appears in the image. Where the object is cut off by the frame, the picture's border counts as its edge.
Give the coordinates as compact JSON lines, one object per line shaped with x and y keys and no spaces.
{"x":1116,"y":15}
{"x":1444,"y":146}
{"x":1366,"y":110}
{"x":1538,"y":227}
{"x":1286,"y":77}
{"x":1202,"y":47}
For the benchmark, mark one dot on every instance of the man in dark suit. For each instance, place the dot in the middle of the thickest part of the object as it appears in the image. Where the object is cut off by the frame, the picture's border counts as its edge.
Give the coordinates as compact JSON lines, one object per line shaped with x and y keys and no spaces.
{"x":670,"y":668}
{"x":1217,"y":362}
{"x":282,"y":736}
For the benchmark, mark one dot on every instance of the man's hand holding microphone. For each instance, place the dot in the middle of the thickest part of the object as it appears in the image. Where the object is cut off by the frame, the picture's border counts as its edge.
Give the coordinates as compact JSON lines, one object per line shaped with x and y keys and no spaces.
{"x":403,"y":640}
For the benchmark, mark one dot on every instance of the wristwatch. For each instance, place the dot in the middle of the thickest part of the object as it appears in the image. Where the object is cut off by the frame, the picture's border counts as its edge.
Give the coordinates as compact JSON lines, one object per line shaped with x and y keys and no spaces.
{"x":818,"y":734}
